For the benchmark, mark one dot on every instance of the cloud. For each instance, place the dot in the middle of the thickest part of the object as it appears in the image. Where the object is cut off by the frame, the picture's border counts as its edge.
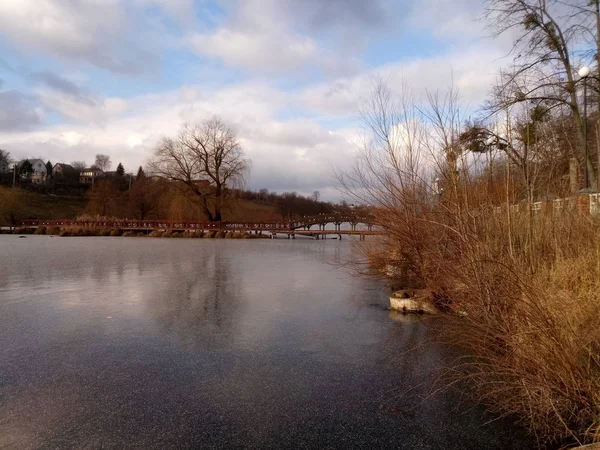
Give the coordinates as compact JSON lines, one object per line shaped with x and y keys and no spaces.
{"x":472,"y":70}
{"x":272,"y":36}
{"x":320,"y":15}
{"x":57,"y":82}
{"x":73,"y":102}
{"x":272,"y":51}
{"x":90,"y":31}
{"x":18,"y":111}
{"x":183,"y":11}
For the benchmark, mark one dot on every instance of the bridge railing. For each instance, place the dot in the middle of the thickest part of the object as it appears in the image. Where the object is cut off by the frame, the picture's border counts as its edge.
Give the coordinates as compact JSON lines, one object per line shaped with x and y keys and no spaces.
{"x":265,"y":225}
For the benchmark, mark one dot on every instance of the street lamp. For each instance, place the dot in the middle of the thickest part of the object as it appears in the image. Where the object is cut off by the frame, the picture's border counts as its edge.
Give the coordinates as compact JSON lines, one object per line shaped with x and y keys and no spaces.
{"x":584,"y":73}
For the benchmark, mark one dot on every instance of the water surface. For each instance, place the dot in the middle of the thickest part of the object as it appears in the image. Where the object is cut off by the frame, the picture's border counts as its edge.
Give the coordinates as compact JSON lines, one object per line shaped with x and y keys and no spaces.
{"x":176,"y":343}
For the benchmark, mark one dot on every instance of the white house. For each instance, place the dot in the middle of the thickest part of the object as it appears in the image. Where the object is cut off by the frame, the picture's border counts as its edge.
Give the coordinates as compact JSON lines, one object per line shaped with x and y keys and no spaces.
{"x":39,"y":170}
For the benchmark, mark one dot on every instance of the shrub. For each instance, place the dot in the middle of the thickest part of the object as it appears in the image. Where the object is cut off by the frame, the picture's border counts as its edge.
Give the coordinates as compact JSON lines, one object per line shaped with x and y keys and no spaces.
{"x":53,"y":231}
{"x":40,"y":230}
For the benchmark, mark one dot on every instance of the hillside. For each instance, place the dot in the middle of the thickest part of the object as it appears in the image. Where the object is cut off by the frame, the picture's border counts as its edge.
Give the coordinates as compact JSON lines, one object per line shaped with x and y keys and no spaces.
{"x":42,"y":206}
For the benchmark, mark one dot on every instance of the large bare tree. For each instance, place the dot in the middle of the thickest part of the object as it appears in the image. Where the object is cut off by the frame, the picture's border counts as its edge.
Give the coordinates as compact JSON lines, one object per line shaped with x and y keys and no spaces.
{"x":204,"y":160}
{"x":102,"y":162}
{"x":553,"y":38}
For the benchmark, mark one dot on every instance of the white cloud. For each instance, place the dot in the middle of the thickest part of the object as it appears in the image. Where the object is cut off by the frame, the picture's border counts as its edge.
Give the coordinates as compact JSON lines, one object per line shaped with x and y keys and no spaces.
{"x":269,"y":52}
{"x":91,"y":31}
{"x":471,"y":70}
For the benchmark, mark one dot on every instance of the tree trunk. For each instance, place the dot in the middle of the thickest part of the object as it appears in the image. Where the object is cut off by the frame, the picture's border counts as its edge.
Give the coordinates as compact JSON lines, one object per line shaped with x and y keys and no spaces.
{"x":218,"y":202}
{"x":207,"y":210}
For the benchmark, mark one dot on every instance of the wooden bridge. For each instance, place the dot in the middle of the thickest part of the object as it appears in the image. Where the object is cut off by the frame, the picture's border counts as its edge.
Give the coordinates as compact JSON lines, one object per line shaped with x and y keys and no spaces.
{"x":291,"y":228}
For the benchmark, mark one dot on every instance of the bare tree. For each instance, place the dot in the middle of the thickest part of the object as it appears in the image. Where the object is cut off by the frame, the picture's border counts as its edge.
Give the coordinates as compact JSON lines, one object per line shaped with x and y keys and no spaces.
{"x":554,"y":36}
{"x":103,"y":198}
{"x":78,"y":165}
{"x":144,"y":197}
{"x":206,"y":160}
{"x":316,"y":196}
{"x":4,"y":157}
{"x":102,"y":162}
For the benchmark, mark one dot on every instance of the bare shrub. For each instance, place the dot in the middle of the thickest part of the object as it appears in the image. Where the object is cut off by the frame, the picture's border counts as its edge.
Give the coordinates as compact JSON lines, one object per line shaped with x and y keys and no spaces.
{"x":521,"y":286}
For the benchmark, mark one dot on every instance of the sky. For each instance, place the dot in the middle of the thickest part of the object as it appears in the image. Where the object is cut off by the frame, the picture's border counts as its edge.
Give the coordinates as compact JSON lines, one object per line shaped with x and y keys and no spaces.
{"x":80,"y":77}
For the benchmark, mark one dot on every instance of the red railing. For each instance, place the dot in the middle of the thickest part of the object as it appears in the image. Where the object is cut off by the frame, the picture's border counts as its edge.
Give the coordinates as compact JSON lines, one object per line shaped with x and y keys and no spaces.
{"x":273,"y":225}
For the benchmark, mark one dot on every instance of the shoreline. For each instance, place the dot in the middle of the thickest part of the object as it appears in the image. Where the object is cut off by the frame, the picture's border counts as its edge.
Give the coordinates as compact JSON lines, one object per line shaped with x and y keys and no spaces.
{"x":97,"y":232}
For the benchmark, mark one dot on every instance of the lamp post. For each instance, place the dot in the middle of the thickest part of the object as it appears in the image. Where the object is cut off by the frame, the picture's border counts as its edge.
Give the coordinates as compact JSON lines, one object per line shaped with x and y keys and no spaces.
{"x":584,"y":73}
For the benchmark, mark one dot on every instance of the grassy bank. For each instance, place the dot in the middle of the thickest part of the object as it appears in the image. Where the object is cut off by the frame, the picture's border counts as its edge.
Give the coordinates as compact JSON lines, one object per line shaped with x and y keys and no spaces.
{"x":34,"y":205}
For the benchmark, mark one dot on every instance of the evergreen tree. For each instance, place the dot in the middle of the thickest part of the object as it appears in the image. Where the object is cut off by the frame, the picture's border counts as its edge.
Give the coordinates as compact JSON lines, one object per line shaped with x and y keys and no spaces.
{"x":26,"y":168}
{"x":48,"y":169}
{"x":140,"y":174}
{"x":120,"y":170}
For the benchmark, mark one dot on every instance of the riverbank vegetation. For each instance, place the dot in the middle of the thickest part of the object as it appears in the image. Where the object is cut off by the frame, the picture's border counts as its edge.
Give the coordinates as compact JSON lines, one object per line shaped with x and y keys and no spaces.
{"x":159,"y":201}
{"x":521,"y":282}
{"x":485,"y":214}
{"x":91,"y":232}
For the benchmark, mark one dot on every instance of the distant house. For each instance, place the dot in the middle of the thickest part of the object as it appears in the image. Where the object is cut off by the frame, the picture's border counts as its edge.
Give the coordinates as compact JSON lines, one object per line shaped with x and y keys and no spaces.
{"x":65,"y":173}
{"x":4,"y":166}
{"x":62,"y":169}
{"x":89,"y":175}
{"x":39,"y":170}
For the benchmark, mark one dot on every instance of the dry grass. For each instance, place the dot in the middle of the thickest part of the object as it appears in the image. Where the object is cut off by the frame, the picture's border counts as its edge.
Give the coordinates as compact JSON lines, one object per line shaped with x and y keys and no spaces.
{"x":522,"y":289}
{"x":528,"y":293}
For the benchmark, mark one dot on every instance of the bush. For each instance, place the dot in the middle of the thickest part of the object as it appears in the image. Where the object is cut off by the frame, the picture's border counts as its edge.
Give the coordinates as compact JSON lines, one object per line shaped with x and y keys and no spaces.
{"x":53,"y":231}
{"x":40,"y":230}
{"x":523,"y":296}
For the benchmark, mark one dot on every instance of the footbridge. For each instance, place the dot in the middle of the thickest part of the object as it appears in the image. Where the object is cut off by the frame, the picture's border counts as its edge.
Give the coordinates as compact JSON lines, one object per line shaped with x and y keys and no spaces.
{"x":318,"y":226}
